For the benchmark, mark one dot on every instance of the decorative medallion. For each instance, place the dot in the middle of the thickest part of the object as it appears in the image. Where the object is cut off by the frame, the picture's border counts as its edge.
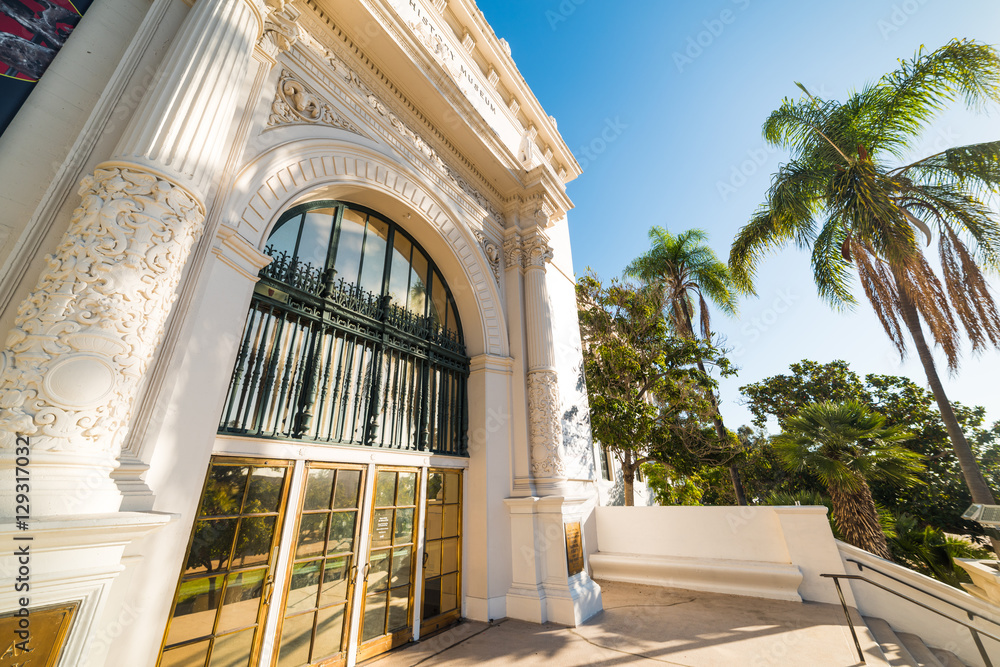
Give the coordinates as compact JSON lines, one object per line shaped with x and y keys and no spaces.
{"x":294,"y":102}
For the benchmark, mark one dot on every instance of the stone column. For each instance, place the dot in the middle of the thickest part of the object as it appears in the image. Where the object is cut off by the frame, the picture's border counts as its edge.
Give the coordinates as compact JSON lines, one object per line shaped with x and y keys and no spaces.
{"x":85,"y":335}
{"x":545,"y":424}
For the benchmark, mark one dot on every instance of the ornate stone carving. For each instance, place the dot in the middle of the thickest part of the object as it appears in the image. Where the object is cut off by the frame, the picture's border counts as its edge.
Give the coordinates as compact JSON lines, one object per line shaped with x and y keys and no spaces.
{"x":492,"y":252}
{"x":513,"y":251}
{"x":545,"y":427}
{"x":295,"y":103}
{"x":281,"y":25}
{"x":84,"y":337}
{"x":537,"y":252}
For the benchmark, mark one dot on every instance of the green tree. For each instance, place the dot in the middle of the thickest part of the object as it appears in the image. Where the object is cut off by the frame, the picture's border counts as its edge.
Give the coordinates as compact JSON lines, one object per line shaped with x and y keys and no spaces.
{"x":845,"y":445}
{"x":841,"y":194}
{"x":684,"y":270}
{"x":940,"y":501}
{"x":647,"y":396}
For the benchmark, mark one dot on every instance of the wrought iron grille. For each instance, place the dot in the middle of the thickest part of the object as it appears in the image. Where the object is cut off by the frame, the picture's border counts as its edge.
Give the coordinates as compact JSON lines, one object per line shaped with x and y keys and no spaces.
{"x":325,"y":361}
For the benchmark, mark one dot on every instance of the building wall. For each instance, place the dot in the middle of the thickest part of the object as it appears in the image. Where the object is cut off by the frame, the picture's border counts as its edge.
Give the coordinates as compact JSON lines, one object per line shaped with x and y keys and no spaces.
{"x":322,"y":113}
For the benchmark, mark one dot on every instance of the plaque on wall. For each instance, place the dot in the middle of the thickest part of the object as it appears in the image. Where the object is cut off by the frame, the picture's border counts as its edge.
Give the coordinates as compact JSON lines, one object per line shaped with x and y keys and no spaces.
{"x":574,"y":548}
{"x":47,"y":628}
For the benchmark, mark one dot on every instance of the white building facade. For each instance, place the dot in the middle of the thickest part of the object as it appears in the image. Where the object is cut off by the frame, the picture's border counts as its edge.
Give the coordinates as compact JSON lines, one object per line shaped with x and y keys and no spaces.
{"x":293,"y":372}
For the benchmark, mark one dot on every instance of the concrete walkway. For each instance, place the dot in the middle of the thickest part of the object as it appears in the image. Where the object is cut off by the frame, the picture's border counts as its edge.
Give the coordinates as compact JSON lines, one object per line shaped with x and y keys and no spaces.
{"x":645,"y":625}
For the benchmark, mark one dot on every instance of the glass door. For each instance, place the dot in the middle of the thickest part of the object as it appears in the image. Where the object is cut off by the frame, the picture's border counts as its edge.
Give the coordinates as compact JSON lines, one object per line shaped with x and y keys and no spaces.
{"x":324,"y":559}
{"x":387,"y":611}
{"x":224,"y":590}
{"x":442,"y":550}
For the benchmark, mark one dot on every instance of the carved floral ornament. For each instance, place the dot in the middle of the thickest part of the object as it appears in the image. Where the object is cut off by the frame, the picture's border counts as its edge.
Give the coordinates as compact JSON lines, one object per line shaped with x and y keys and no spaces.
{"x":545,"y":427}
{"x":492,"y":252}
{"x":85,"y":335}
{"x":295,"y":103}
{"x":513,"y":251}
{"x":537,"y":252}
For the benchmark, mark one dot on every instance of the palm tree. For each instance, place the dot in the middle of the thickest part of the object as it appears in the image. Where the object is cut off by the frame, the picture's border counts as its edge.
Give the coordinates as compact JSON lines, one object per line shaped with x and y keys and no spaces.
{"x":681,"y":268}
{"x":844,"y":445}
{"x":840,"y":194}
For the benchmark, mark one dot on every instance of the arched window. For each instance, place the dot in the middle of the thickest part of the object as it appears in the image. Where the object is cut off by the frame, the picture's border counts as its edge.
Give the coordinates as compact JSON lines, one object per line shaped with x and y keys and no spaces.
{"x":353,"y":338}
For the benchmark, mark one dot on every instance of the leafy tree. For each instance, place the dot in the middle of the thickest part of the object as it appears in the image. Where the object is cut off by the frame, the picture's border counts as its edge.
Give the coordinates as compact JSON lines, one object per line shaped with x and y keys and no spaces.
{"x":683,"y":269}
{"x":647,"y":395}
{"x":943,"y":497}
{"x":844,"y":445}
{"x":929,"y":551}
{"x":841,"y":194}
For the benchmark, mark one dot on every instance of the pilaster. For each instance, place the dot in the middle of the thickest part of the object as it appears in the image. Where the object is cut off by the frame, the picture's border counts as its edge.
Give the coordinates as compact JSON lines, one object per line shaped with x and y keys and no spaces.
{"x":84,"y":337}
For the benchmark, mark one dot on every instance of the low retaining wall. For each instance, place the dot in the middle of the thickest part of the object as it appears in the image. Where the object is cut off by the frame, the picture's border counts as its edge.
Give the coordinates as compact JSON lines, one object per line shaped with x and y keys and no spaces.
{"x":769,"y":552}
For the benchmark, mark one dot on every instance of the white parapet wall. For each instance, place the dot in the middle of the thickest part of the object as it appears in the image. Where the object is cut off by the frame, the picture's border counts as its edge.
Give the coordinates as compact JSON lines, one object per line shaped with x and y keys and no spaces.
{"x":933,"y":628}
{"x":768,"y":552}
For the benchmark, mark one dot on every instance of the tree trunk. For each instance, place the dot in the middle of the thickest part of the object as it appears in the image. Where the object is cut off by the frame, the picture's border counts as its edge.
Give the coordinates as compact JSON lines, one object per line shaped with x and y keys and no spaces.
{"x":974,"y":479}
{"x":628,"y":479}
{"x":720,"y":428}
{"x":857,"y":519}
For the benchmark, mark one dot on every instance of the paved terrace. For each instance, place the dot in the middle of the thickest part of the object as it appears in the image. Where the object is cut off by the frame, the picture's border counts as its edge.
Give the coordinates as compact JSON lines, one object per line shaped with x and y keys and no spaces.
{"x":645,"y":625}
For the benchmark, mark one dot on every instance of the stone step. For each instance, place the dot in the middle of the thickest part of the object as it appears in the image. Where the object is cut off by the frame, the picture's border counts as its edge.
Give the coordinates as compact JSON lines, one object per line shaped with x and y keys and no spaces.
{"x":919,"y":650}
{"x":892,"y":646}
{"x":947,"y":658}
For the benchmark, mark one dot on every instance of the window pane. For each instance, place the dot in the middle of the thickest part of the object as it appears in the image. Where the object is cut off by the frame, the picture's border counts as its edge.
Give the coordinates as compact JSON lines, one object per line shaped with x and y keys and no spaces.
{"x":283,"y":238}
{"x":296,"y":633}
{"x":312,"y":535}
{"x":452,"y":317}
{"x":352,"y":233}
{"x":224,"y":491}
{"x":378,"y":574}
{"x":374,"y":264}
{"x":303,"y":587}
{"x":385,"y":491}
{"x":404,"y":526}
{"x":399,"y":607}
{"x":265,"y":490}
{"x":254,"y":542}
{"x":374,"y":616}
{"x":439,"y":301}
{"x":348,"y":483}
{"x":243,"y":591}
{"x":194,"y":614}
{"x":449,"y":592}
{"x":186,"y":656}
{"x":382,"y":528}
{"x":335,"y":581}
{"x":435,"y":487}
{"x":210,"y":546}
{"x":450,"y":523}
{"x":434,"y":522}
{"x":449,"y":555}
{"x":418,"y":283}
{"x":401,"y":561}
{"x":399,"y":272}
{"x":432,"y":598}
{"x":407,"y":489}
{"x":451,"y":485}
{"x":341,"y":532}
{"x":432,"y":559}
{"x":329,"y":632}
{"x":319,"y":488}
{"x":315,"y":241}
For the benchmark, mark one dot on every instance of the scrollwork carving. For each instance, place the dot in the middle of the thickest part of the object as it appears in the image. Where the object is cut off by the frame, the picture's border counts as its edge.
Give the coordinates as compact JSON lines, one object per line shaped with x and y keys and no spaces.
{"x":545,"y":427}
{"x":85,"y":335}
{"x":295,"y":103}
{"x":513,"y":252}
{"x":492,"y":252}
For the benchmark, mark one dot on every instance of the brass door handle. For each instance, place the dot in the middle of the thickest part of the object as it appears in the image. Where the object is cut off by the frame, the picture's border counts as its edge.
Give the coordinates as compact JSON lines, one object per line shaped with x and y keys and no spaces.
{"x":368,"y":567}
{"x":426,"y":556}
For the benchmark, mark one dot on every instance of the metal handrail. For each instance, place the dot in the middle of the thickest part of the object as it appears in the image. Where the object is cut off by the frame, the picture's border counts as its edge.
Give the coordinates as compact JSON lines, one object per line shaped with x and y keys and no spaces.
{"x":973,"y":629}
{"x":972,"y":614}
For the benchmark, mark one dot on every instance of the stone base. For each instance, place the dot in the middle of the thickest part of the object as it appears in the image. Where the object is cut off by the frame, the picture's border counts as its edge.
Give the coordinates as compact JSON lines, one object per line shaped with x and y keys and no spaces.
{"x":543,"y":590}
{"x":60,"y":561}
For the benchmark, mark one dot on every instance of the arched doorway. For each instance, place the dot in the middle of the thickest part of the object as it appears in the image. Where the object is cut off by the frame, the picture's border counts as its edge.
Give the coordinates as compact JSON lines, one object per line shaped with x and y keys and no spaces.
{"x":352,"y":340}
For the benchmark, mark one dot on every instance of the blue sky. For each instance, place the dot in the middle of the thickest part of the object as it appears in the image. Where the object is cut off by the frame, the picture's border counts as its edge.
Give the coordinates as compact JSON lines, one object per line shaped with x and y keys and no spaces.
{"x":686,"y":87}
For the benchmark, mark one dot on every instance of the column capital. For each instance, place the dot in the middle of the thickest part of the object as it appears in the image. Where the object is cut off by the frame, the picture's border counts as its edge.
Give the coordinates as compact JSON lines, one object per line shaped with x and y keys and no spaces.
{"x":513,"y":250}
{"x":537,"y":251}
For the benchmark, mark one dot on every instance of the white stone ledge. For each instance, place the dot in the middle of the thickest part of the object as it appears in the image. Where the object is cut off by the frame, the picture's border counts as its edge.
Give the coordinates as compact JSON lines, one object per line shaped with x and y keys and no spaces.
{"x":775,"y":581}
